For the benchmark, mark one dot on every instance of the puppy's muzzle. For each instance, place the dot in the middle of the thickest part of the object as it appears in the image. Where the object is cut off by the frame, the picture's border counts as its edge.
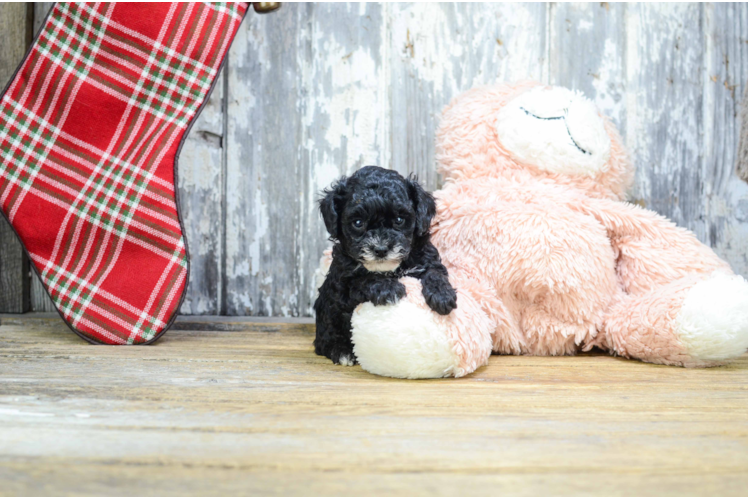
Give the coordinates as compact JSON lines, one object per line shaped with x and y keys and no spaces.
{"x":380,"y":251}
{"x":379,"y":257}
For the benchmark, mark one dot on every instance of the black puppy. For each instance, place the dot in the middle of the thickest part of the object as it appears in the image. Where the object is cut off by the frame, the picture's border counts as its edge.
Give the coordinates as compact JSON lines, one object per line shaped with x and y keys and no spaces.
{"x":379,"y":224}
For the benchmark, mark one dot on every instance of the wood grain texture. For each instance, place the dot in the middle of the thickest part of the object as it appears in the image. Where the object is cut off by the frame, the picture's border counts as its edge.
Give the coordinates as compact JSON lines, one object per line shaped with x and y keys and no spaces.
{"x":201,"y":172}
{"x":723,"y":199}
{"x":595,"y":34}
{"x":345,"y":121}
{"x":262,"y":169}
{"x":665,"y":123}
{"x":14,"y":267}
{"x":255,"y":412}
{"x":41,"y":9}
{"x":438,"y":51}
{"x":742,"y":167}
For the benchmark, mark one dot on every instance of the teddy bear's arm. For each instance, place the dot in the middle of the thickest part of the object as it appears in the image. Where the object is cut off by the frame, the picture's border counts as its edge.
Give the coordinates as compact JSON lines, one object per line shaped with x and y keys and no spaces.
{"x":651,"y":250}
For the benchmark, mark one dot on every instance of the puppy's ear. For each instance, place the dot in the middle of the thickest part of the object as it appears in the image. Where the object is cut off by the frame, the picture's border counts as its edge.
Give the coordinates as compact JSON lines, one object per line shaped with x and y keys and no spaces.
{"x":424,"y":205}
{"x":331,"y":206}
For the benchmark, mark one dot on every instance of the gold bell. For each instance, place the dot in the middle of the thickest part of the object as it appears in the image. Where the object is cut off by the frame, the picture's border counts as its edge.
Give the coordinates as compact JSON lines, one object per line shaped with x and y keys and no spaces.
{"x":266,"y":7}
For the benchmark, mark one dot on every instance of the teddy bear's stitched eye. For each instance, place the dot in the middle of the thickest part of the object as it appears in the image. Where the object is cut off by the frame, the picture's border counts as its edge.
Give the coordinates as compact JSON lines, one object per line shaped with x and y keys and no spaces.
{"x":358,"y":223}
{"x":399,"y":221}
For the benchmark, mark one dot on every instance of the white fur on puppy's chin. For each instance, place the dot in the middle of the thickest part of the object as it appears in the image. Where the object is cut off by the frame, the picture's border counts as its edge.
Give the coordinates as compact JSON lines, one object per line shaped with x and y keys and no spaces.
{"x":556,"y":130}
{"x":401,"y":341}
{"x":713,"y":321}
{"x":382,"y":266}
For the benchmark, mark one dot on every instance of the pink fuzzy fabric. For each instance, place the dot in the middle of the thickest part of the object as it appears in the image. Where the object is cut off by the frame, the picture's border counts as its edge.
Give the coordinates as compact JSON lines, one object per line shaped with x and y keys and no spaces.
{"x":557,"y":263}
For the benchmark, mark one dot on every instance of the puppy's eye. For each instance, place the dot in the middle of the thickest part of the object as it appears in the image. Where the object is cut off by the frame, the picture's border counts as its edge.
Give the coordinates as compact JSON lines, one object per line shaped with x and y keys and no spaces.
{"x":358,"y":223}
{"x":399,"y":221}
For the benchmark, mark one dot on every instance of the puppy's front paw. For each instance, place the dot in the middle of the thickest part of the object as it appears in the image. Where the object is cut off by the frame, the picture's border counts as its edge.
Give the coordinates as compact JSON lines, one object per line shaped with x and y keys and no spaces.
{"x":440,"y":297}
{"x":345,"y":359}
{"x":387,"y":293}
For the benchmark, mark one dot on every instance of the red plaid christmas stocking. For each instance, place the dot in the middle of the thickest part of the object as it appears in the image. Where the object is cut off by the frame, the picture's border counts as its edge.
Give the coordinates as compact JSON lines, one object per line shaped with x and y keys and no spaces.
{"x":90,"y":127}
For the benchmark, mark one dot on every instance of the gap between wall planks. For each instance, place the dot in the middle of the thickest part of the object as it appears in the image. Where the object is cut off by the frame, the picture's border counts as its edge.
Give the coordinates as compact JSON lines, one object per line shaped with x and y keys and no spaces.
{"x":40,"y":301}
{"x":14,"y":284}
{"x":315,"y":91}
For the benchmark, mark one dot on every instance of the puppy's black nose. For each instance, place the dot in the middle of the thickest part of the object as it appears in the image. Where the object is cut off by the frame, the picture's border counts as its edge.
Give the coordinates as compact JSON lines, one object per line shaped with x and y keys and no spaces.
{"x":380,"y":251}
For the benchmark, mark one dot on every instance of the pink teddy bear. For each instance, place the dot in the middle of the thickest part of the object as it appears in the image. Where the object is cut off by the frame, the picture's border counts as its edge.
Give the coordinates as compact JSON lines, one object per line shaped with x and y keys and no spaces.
{"x":546,"y":257}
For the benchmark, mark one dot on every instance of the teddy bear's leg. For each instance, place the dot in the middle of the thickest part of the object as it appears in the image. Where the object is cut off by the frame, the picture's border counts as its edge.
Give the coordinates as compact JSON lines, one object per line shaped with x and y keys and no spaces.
{"x":550,"y":334}
{"x":409,"y":340}
{"x":695,"y":321}
{"x":682,"y":304}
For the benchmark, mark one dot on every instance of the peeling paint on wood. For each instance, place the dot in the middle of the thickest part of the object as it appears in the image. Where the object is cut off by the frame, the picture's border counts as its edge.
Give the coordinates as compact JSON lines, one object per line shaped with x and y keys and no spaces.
{"x":723,"y":200}
{"x":664,"y":99}
{"x":742,"y":168}
{"x":438,"y":51}
{"x":595,"y":34}
{"x":264,"y":140}
{"x":201,"y":194}
{"x":344,"y":116}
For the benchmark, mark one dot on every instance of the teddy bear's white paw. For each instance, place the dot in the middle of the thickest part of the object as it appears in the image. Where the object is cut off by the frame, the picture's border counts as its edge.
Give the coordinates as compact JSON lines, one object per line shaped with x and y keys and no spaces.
{"x":402,"y":341}
{"x":713,"y":321}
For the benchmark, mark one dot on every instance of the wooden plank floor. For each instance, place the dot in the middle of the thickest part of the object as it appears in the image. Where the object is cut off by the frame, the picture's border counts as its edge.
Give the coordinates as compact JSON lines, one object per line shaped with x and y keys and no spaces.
{"x":248,"y":409}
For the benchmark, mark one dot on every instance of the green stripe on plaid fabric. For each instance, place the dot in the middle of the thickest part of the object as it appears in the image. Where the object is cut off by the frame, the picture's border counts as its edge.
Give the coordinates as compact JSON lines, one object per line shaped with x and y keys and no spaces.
{"x":105,"y":217}
{"x":25,"y":175}
{"x":80,"y":155}
{"x":192,"y":64}
{"x":69,"y":276}
{"x":134,"y":187}
{"x":169,"y":107}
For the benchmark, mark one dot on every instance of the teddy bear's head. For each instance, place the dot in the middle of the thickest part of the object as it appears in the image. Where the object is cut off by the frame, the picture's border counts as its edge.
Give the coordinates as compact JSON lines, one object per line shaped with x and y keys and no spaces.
{"x":532,"y":129}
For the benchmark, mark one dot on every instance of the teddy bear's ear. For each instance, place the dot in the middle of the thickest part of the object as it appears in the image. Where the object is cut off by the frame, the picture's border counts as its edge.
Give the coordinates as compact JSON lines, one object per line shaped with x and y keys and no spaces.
{"x":331,"y":206}
{"x":424,"y":205}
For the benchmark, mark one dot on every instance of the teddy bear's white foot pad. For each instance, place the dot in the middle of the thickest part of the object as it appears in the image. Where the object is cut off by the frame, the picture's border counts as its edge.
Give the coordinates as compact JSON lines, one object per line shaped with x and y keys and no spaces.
{"x":713,"y":321}
{"x":402,"y":341}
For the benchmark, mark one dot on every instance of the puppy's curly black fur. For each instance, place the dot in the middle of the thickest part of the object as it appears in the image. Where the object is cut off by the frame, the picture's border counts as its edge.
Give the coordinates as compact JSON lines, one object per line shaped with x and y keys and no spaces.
{"x":379,"y":224}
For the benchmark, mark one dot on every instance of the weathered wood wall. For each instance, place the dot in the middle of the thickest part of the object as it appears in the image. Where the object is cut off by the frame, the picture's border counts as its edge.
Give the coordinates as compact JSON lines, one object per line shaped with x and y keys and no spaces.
{"x":317,"y":90}
{"x":15,"y":34}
